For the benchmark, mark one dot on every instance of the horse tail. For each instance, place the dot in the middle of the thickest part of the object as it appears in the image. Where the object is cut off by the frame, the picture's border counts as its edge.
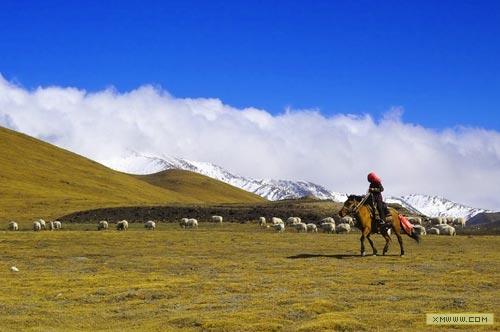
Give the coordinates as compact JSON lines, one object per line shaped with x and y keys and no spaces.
{"x":408,"y":228}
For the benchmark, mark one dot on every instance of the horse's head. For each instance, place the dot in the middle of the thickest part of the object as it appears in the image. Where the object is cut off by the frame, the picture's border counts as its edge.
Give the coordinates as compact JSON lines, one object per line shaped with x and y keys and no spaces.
{"x":349,"y":206}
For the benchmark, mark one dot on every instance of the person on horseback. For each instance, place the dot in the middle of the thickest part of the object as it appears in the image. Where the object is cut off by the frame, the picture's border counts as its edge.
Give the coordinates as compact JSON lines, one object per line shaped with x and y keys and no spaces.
{"x":375,"y":190}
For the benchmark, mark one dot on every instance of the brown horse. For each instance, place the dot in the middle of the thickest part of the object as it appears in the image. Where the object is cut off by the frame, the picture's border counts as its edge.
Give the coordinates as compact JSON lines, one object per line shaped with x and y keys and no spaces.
{"x":364,"y":213}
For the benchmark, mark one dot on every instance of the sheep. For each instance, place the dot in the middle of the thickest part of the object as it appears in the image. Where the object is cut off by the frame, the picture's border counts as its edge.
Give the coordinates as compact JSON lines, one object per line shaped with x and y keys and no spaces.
{"x":122,"y":225}
{"x":292,"y":221}
{"x":279,"y":227}
{"x":415,"y":220}
{"x":57,"y":224}
{"x":276,"y":221}
{"x":450,"y":230}
{"x":343,"y":228}
{"x":459,"y":222}
{"x":192,"y":223}
{"x":37,"y":226}
{"x":327,"y":220}
{"x":262,"y":221}
{"x":103,"y":224}
{"x":50,"y":225}
{"x":13,"y":226}
{"x":184,"y":222}
{"x":312,"y":228}
{"x":419,"y":229}
{"x":347,"y":220}
{"x":150,"y":224}
{"x":217,"y":219}
{"x":328,"y":227}
{"x":300,"y":227}
{"x":42,"y":224}
{"x":433,"y":230}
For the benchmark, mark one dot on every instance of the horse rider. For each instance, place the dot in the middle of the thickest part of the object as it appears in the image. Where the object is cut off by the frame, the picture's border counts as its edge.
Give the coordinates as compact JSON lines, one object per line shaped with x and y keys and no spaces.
{"x":375,"y":190}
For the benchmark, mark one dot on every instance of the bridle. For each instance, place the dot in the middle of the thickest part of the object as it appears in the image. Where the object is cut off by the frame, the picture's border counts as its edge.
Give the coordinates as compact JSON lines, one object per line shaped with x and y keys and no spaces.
{"x":356,"y":208}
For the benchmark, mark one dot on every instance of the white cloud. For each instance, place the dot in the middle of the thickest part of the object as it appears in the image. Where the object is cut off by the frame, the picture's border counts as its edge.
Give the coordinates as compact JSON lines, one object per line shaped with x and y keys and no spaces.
{"x":462,"y":164}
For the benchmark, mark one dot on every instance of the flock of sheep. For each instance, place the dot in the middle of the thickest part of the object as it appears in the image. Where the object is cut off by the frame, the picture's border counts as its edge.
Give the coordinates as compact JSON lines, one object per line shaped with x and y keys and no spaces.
{"x":437,"y":226}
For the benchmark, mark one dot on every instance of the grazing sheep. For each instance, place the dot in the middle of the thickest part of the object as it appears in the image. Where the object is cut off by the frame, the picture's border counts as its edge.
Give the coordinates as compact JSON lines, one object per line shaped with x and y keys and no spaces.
{"x":192,"y":223}
{"x":184,"y":222}
{"x":276,"y":221}
{"x":217,"y":219}
{"x":450,"y":230}
{"x":42,"y":224}
{"x":327,"y":220}
{"x":37,"y":226}
{"x":280,"y":227}
{"x":328,"y":227}
{"x":13,"y":226}
{"x":343,"y":228}
{"x":122,"y":225}
{"x":312,"y":228}
{"x":292,"y":221}
{"x":150,"y":224}
{"x":433,"y":230}
{"x":300,"y":227}
{"x":415,"y":220}
{"x":459,"y":222}
{"x":262,"y":221}
{"x":57,"y":224}
{"x":419,"y":229}
{"x":347,"y":220}
{"x":103,"y":224}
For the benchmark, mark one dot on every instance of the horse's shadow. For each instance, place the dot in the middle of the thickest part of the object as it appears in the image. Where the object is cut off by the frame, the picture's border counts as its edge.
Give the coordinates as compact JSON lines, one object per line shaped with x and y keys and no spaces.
{"x":336,"y":256}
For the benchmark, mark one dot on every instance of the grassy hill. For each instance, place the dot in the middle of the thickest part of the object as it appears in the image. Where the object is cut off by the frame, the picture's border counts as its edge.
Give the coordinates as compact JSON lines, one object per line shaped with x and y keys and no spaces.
{"x":39,"y":180}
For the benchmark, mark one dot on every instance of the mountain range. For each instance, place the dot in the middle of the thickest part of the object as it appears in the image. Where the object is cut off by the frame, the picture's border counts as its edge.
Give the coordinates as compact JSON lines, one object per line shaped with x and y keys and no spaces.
{"x":271,"y":189}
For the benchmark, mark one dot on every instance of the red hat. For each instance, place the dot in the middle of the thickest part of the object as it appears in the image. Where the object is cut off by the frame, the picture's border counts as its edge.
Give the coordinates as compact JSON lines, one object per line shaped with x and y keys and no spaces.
{"x":373,"y":178}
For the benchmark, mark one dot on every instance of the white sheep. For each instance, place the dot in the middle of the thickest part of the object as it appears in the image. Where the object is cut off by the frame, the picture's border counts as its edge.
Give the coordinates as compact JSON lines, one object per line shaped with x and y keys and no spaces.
{"x":292,"y":221}
{"x":433,"y":230}
{"x":280,"y":227}
{"x":37,"y":226}
{"x":103,"y":224}
{"x":343,"y":228}
{"x":419,"y":229}
{"x":57,"y":224}
{"x":122,"y":225}
{"x":459,"y":222}
{"x":184,"y":222}
{"x":450,"y":230}
{"x":150,"y":224}
{"x":300,"y":227}
{"x":327,"y":220}
{"x":50,"y":225}
{"x":415,"y":220}
{"x":328,"y":227}
{"x":347,"y":220}
{"x":192,"y":223}
{"x":13,"y":226}
{"x":217,"y":219}
{"x":262,"y":221}
{"x":312,"y":228}
{"x":42,"y":224}
{"x":276,"y":221}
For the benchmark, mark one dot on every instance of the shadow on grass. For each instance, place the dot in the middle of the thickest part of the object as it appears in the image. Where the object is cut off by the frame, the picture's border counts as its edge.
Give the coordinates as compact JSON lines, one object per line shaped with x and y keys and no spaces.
{"x":337,"y":256}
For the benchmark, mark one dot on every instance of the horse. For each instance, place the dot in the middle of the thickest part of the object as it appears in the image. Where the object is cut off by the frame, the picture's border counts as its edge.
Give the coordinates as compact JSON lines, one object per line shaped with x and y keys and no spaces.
{"x":362,"y":209}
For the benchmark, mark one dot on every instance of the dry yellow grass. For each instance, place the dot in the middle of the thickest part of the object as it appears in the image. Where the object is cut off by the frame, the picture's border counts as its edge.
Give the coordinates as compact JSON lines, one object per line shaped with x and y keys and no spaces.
{"x":236,"y":278}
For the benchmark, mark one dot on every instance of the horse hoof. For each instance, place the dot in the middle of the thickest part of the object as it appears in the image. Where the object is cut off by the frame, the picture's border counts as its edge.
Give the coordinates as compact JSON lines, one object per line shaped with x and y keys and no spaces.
{"x":402,"y":255}
{"x":363,"y":254}
{"x":375,"y":254}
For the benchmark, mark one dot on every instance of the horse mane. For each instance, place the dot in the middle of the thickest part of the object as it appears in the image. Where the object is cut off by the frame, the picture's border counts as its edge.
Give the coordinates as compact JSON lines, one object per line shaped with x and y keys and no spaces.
{"x":356,"y":198}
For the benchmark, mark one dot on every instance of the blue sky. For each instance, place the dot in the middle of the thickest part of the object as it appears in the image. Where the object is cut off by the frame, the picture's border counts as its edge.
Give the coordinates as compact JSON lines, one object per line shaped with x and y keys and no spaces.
{"x":439,"y":60}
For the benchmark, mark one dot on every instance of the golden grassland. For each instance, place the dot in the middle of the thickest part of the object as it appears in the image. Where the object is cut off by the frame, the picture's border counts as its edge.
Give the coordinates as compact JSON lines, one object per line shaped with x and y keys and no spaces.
{"x":238,"y":277}
{"x":38,"y":180}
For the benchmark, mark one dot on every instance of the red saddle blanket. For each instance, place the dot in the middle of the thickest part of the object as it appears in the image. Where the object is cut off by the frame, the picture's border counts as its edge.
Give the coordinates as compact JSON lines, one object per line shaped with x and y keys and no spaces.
{"x":407,"y":226}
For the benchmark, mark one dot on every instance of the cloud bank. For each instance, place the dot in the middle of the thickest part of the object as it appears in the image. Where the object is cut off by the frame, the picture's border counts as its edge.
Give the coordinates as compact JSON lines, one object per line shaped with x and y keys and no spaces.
{"x":462,"y":164}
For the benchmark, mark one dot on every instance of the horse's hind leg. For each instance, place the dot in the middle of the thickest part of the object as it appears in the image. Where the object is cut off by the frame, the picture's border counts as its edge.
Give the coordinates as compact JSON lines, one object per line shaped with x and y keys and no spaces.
{"x":362,"y":240}
{"x":400,"y":240}
{"x":371,"y":243}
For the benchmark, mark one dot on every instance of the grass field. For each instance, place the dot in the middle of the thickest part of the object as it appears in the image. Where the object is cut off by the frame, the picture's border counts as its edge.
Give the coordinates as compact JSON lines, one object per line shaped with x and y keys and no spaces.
{"x":238,"y":277}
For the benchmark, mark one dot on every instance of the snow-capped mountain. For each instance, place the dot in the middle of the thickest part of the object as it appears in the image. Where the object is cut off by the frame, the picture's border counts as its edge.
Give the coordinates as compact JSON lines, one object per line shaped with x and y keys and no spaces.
{"x":431,"y":206}
{"x":435,"y":206}
{"x":270,"y":189}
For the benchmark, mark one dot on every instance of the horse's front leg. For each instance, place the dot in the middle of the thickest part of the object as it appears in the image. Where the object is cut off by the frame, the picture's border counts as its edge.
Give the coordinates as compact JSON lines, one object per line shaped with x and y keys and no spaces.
{"x":362,"y":240}
{"x":371,"y":243}
{"x":387,"y":241}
